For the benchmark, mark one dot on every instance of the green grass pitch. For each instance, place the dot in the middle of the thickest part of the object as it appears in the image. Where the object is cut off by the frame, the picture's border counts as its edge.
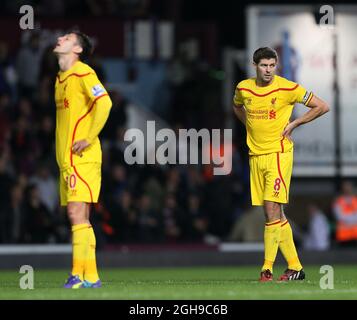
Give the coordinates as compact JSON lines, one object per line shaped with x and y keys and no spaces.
{"x":188,"y":283}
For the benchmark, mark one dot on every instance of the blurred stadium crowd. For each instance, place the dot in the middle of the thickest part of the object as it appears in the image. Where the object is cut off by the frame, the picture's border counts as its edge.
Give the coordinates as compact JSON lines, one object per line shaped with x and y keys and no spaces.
{"x":139,"y":203}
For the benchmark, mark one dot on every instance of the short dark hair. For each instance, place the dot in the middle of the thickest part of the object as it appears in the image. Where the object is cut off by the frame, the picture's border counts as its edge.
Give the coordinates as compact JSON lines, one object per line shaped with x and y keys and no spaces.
{"x":85,"y":42}
{"x":264,"y":53}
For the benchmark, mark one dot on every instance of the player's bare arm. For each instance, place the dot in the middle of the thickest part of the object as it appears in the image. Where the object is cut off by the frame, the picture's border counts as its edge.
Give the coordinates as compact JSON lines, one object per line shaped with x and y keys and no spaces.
{"x":318,"y":108}
{"x":239,"y":110}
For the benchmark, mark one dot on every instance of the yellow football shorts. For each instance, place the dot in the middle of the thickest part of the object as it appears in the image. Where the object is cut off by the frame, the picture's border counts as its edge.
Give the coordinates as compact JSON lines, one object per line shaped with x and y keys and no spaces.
{"x":80,"y":183}
{"x":270,"y":176}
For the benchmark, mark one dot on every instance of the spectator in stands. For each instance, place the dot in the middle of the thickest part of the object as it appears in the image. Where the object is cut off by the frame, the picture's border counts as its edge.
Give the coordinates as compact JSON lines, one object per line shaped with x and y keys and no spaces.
{"x":218,"y":204}
{"x":123,"y":218}
{"x":149,"y":221}
{"x":118,"y":117}
{"x":117,"y":184}
{"x":28,"y":73}
{"x":7,"y":72}
{"x":318,"y":235}
{"x":6,"y":182}
{"x":44,"y":104}
{"x":24,"y":109}
{"x":345,"y":211}
{"x":23,"y":146}
{"x":197,"y":224}
{"x":194,"y":180}
{"x":5,"y":116}
{"x":95,"y":63}
{"x":38,"y":219}
{"x":12,"y":218}
{"x":47,"y":187}
{"x":45,"y":137}
{"x":155,"y":191}
{"x":249,"y":226}
{"x":172,"y":218}
{"x":117,"y":147}
{"x":6,"y":178}
{"x":128,"y":231}
{"x":48,"y":65}
{"x":174,"y":184}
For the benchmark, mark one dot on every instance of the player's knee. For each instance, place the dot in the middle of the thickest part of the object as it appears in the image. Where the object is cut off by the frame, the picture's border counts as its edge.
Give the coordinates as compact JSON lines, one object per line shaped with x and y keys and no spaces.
{"x":272,"y":211}
{"x":74,"y":215}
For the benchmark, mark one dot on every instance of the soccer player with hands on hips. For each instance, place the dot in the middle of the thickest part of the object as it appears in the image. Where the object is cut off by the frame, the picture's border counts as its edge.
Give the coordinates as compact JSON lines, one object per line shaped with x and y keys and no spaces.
{"x":264,"y":104}
{"x":82,"y":108}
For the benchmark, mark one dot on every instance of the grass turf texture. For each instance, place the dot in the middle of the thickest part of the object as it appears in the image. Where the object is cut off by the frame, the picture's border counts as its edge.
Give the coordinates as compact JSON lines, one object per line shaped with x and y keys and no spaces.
{"x":224,"y":283}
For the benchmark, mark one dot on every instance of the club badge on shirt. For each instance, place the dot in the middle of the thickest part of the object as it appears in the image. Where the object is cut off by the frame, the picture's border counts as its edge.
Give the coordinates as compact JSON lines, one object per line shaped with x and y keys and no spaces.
{"x":97,"y":90}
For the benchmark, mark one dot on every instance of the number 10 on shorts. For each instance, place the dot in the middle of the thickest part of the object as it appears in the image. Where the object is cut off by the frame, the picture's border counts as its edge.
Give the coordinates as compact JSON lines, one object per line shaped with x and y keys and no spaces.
{"x":71,"y":181}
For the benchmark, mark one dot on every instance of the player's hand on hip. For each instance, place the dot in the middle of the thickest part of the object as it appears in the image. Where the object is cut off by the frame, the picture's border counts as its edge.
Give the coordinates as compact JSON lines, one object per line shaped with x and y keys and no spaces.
{"x":79,"y":146}
{"x":288,"y":131}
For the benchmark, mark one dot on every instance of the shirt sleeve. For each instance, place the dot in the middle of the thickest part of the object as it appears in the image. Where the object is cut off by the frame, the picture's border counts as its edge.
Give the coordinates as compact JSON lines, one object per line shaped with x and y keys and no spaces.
{"x":301,"y":95}
{"x":92,"y":87}
{"x":97,"y":94}
{"x":100,"y":116}
{"x":238,"y":99}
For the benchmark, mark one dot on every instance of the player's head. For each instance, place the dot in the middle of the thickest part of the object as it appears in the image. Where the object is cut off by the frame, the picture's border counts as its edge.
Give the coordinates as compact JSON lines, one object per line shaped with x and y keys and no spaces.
{"x":265,"y":61}
{"x":74,"y":42}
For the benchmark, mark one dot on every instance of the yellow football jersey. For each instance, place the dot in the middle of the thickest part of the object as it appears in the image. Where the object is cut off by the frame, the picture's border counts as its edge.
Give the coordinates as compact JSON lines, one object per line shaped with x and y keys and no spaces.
{"x":78,"y":93}
{"x":268,"y":111}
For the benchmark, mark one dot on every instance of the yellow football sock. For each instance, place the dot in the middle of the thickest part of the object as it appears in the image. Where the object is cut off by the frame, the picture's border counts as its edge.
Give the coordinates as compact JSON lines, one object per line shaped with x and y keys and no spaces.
{"x":287,"y":247}
{"x":271,"y":243}
{"x":90,"y":268}
{"x":79,"y":248}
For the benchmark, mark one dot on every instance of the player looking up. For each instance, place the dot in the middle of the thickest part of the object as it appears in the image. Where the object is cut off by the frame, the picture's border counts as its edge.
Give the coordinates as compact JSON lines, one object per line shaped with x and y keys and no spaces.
{"x":83,"y":106}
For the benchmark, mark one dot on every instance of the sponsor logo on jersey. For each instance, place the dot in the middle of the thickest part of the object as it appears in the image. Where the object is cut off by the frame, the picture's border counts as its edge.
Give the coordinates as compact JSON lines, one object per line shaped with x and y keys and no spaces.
{"x":272,"y":114}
